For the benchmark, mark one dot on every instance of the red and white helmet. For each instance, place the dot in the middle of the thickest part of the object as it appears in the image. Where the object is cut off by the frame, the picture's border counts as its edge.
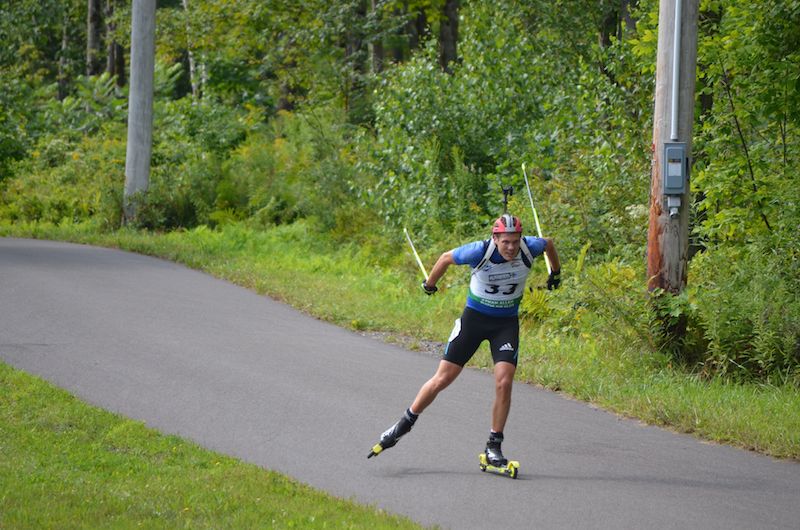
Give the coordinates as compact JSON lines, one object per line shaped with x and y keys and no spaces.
{"x":507,"y":224}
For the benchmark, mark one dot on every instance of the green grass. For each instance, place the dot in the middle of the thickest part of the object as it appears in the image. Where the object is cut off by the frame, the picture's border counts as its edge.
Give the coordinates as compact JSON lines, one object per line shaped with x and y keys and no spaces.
{"x":66,"y":464}
{"x":758,"y":417}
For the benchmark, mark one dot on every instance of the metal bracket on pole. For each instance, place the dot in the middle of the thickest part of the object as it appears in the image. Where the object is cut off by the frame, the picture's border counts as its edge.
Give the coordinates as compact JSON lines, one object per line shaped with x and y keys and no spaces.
{"x":676,"y":71}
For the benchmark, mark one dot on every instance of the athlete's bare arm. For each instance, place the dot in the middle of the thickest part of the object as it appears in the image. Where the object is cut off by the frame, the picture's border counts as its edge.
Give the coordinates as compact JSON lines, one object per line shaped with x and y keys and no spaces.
{"x":438,"y":270}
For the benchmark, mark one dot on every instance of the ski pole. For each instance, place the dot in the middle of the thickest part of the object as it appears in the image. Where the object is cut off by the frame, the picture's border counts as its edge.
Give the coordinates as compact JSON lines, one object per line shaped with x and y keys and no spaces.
{"x":419,"y":261}
{"x":535,"y":216}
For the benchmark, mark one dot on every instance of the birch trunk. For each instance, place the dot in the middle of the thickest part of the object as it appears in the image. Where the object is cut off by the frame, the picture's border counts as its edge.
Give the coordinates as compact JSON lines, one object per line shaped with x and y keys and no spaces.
{"x":193,"y":77}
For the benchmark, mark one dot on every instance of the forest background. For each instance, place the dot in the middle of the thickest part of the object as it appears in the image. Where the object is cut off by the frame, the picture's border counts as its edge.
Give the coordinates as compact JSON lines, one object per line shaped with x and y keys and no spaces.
{"x":337,"y":124}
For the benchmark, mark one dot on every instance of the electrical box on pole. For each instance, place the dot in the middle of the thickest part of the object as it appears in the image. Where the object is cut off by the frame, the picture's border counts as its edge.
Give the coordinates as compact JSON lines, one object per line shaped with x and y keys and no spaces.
{"x":674,"y":175}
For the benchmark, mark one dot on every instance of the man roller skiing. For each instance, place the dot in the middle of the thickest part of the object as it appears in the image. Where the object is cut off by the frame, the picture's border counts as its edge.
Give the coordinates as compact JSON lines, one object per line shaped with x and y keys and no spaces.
{"x":500,"y":267}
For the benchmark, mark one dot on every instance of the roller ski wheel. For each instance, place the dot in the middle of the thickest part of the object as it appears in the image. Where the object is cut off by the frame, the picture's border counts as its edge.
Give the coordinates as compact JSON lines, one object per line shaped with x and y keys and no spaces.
{"x":509,"y":470}
{"x":393,"y":434}
{"x":376,"y":450}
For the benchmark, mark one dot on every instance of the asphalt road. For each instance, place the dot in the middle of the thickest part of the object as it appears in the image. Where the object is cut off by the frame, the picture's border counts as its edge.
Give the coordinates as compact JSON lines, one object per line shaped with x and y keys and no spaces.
{"x":244,"y":375}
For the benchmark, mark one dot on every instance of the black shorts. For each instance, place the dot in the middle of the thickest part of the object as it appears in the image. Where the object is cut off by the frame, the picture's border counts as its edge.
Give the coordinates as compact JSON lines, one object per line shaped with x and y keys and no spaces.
{"x":473,"y":328}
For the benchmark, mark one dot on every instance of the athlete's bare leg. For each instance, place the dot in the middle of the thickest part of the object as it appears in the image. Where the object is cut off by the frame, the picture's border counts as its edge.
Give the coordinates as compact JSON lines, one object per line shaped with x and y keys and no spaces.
{"x":503,"y":380}
{"x":445,"y":374}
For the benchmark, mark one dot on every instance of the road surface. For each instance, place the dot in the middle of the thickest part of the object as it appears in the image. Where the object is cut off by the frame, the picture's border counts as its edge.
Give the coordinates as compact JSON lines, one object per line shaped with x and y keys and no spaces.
{"x":250,"y":377}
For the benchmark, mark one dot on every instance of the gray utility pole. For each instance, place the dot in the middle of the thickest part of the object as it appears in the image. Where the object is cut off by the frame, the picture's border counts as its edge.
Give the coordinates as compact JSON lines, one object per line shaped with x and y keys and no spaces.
{"x":140,"y":105}
{"x":668,"y":234}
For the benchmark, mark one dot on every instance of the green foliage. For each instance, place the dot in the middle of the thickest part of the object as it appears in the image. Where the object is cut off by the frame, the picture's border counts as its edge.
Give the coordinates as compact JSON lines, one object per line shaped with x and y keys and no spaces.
{"x":360,"y":155}
{"x":69,"y":181}
{"x":43,"y":40}
{"x":95,"y":102}
{"x":191,"y":141}
{"x":514,"y":101}
{"x":677,"y":331}
{"x":748,"y":308}
{"x":605,"y":300}
{"x":14,"y":118}
{"x":748,"y":141}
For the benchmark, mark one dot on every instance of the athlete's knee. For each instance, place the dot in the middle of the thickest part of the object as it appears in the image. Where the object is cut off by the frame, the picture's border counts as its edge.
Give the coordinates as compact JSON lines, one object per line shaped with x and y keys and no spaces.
{"x":443,"y":377}
{"x":503,"y":385}
{"x":504,"y":379}
{"x":440,"y":382}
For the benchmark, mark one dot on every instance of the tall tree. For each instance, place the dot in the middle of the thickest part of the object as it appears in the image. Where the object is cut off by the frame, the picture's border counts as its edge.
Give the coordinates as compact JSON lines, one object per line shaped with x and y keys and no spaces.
{"x":355,"y":55}
{"x":409,"y":33}
{"x":63,"y":60}
{"x":448,"y":35}
{"x":616,"y":21}
{"x":376,"y":43}
{"x":417,"y":29}
{"x":610,"y":25}
{"x":94,"y":32}
{"x":194,"y":78}
{"x":115,"y":54}
{"x":140,"y":106}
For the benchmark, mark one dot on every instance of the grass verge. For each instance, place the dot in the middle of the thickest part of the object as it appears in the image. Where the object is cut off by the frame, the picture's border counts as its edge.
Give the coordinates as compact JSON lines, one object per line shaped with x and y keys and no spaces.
{"x":341,"y":285}
{"x":66,"y":464}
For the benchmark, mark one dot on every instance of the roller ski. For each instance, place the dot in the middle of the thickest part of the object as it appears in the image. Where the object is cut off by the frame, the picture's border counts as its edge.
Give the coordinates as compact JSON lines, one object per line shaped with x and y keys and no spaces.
{"x":492,"y":458}
{"x":393,"y":434}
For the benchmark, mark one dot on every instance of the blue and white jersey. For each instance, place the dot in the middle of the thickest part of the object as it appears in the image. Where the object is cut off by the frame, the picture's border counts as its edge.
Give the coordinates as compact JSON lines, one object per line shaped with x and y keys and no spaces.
{"x":496,"y":289}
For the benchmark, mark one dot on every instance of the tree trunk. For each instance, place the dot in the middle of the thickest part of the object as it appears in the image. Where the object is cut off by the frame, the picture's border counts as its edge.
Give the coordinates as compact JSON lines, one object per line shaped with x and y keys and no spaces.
{"x":63,"y":62}
{"x":448,"y":35}
{"x":608,"y":27}
{"x":115,"y":54}
{"x":377,"y":41}
{"x":94,"y":29}
{"x":409,"y":36}
{"x":193,"y":77}
{"x":288,"y":92}
{"x":417,"y":30}
{"x":625,"y":8}
{"x":140,"y":106}
{"x":356,"y":57}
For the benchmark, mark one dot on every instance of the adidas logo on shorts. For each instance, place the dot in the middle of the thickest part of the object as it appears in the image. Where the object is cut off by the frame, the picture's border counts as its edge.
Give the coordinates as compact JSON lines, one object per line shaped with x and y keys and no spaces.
{"x":507,"y":347}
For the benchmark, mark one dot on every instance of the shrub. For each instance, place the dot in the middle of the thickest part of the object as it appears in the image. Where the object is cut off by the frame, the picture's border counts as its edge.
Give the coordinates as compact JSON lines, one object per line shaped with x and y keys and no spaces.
{"x":748,"y":306}
{"x":70,"y":181}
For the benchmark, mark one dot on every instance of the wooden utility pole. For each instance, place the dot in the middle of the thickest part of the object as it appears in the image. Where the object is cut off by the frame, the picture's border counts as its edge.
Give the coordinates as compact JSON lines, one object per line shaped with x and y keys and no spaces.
{"x":140,"y":105}
{"x":668,"y":234}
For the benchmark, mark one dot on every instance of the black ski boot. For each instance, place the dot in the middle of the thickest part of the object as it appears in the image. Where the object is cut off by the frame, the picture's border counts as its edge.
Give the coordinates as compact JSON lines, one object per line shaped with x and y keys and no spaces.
{"x":494,"y":455}
{"x":393,"y":434}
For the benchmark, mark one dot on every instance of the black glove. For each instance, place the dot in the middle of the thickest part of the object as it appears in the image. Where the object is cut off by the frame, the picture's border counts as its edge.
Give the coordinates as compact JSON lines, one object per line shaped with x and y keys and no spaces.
{"x":554,"y":280}
{"x":429,"y":290}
